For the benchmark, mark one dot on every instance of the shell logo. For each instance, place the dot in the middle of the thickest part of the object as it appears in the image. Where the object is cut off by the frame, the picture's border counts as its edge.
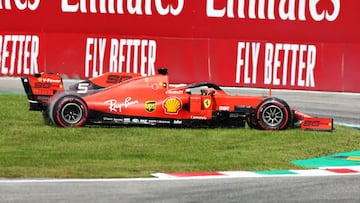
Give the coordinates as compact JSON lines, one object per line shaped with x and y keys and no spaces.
{"x":172,"y":105}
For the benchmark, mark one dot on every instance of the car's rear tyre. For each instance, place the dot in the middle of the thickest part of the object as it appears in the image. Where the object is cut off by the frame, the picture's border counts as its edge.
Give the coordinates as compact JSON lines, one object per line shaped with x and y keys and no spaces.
{"x":69,"y":111}
{"x":273,"y":114}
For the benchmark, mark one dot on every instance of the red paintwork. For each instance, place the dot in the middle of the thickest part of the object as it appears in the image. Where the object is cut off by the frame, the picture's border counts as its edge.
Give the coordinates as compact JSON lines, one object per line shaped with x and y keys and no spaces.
{"x":152,"y":100}
{"x":195,"y":174}
{"x":311,"y":123}
{"x":341,"y":170}
{"x":136,"y":92}
{"x":111,"y":78}
{"x":45,"y":85}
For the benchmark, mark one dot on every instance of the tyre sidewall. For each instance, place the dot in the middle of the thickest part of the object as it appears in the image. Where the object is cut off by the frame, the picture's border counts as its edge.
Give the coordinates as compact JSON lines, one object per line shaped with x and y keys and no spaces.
{"x":252,"y":123}
{"x":282,"y":105}
{"x":61,"y":103}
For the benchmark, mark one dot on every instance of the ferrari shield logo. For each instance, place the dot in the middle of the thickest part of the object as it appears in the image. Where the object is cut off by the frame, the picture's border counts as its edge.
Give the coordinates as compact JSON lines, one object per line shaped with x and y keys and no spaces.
{"x":207,"y":103}
{"x":150,"y":106}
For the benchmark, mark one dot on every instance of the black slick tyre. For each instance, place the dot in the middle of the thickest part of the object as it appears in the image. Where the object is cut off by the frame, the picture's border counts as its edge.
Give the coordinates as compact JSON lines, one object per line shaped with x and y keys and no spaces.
{"x":69,"y":111}
{"x":273,"y":114}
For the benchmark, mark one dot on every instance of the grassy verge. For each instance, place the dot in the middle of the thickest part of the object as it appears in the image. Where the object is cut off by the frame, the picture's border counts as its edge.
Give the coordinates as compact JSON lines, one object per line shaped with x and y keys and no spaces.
{"x":28,"y":148}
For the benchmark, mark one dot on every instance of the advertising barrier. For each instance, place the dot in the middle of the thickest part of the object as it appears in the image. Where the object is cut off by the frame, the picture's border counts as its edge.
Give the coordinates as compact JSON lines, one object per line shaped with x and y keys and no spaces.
{"x":285,"y":44}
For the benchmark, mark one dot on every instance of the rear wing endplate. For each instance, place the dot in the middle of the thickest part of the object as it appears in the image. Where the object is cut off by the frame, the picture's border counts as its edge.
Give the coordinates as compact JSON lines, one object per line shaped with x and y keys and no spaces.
{"x":40,"y":87}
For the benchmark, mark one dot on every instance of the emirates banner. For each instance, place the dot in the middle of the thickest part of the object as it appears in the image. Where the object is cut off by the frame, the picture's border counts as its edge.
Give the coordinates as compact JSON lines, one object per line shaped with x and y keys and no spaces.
{"x":285,"y":44}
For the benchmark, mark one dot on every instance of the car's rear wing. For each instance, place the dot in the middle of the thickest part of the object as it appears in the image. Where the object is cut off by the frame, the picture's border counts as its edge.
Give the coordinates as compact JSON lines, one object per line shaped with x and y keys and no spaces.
{"x":40,"y":87}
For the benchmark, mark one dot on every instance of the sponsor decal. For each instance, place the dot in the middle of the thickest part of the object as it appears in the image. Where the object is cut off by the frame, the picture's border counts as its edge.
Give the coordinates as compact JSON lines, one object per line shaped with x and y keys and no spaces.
{"x":283,"y":64}
{"x":148,"y":122}
{"x":135,"y":120}
{"x":198,"y":117}
{"x":118,"y":120}
{"x":115,"y":120}
{"x":115,"y":106}
{"x":150,"y":106}
{"x":19,"y":54}
{"x":289,"y":10}
{"x":224,"y":108}
{"x":49,"y":80}
{"x":120,"y":7}
{"x":207,"y":103}
{"x":172,"y":105}
{"x":19,"y":4}
{"x":163,"y":122}
{"x":177,"y":122}
{"x":114,"y":79}
{"x":292,"y":10}
{"x":175,"y":92}
{"x":127,"y":120}
{"x":122,"y":55}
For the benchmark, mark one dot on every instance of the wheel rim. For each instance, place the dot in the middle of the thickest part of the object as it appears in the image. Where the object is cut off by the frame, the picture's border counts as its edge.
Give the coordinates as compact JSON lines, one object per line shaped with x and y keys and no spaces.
{"x":273,"y":116}
{"x":72,"y":113}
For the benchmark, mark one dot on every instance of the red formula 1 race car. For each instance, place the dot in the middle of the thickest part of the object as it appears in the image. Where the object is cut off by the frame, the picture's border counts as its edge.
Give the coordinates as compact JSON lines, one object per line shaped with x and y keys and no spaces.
{"x":132,"y":99}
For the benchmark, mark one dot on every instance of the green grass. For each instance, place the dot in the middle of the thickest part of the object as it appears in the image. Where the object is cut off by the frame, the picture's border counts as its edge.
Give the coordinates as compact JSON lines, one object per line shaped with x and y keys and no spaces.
{"x":29,"y":148}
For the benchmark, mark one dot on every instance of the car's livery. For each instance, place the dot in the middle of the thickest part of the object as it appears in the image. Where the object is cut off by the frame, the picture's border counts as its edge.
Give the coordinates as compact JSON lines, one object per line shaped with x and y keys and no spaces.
{"x":132,"y":99}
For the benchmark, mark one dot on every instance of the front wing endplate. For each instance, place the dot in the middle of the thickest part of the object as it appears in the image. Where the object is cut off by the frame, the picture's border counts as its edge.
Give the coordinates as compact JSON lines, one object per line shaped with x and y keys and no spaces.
{"x":326,"y":124}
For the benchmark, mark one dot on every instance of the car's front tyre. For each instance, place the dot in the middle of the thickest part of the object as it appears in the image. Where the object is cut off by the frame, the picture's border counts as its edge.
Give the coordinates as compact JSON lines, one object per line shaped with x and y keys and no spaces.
{"x":273,"y":114}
